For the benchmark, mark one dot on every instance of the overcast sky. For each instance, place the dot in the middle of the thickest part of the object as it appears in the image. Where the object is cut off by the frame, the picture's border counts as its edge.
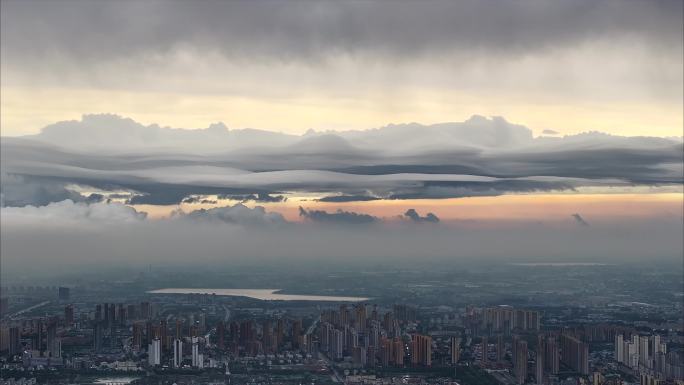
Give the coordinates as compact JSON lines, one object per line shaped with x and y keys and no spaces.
{"x":570,"y":66}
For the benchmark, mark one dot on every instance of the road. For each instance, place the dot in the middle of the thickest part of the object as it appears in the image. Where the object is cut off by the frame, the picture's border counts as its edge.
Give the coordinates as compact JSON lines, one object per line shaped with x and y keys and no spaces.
{"x":311,"y":328}
{"x":28,"y":309}
{"x":335,"y":376}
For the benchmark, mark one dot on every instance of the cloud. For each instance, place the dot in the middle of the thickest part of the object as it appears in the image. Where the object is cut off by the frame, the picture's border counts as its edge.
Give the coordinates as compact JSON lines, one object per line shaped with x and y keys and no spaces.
{"x":347,"y":57}
{"x":338,"y":217}
{"x":415,"y":217}
{"x":96,"y":131}
{"x":238,"y":214}
{"x":478,"y":157}
{"x":95,"y":198}
{"x":68,"y":211}
{"x":334,"y":52}
{"x":17,"y":190}
{"x":199,"y":199}
{"x":581,"y":221}
{"x":550,"y":132}
{"x":258,"y":197}
{"x":192,"y":199}
{"x":299,"y":30}
{"x":348,"y":198}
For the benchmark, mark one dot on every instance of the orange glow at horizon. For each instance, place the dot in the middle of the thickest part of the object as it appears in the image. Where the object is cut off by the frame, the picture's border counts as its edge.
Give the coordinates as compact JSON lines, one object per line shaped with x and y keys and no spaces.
{"x":524,"y":207}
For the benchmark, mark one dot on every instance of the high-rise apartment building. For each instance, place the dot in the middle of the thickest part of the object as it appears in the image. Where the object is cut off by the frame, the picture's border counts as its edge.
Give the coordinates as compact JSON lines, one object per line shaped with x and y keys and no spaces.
{"x":421,"y":350}
{"x":177,"y":353}
{"x":14,"y":345}
{"x":63,"y":293}
{"x":137,"y":336}
{"x":69,"y":315}
{"x":520,"y":364}
{"x":618,"y":352}
{"x":539,"y":361}
{"x":221,"y":334}
{"x":359,"y":356}
{"x":98,"y":335}
{"x":455,"y":349}
{"x":575,"y":353}
{"x":551,"y":355}
{"x":54,"y":344}
{"x":360,"y":318}
{"x":145,"y":312}
{"x":154,"y":352}
{"x":336,"y":344}
{"x":197,"y":358}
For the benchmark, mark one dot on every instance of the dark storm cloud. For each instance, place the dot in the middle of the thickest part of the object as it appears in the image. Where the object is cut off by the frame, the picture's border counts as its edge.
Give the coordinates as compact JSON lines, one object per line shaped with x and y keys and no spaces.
{"x":348,"y":198}
{"x":94,"y":198}
{"x":338,"y":217}
{"x":449,"y":189}
{"x":638,"y":165}
{"x":305,"y":30}
{"x":262,"y":198}
{"x":413,"y":215}
{"x":169,"y":194}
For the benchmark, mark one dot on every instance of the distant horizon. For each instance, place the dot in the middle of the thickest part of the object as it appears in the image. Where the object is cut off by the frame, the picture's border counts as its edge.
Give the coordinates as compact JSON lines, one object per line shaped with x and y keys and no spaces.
{"x":547,"y":132}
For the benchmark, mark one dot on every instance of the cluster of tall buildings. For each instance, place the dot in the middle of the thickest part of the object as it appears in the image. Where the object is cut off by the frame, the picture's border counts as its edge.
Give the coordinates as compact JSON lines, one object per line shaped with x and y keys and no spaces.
{"x":369,"y":337}
{"x":252,"y":337}
{"x":10,"y":340}
{"x":574,"y":353}
{"x":43,"y":339}
{"x":421,"y":350}
{"x":166,"y":342}
{"x":546,"y":351}
{"x":109,"y":320}
{"x":505,"y":319}
{"x":111,"y":314}
{"x":360,"y":334}
{"x":197,"y":359}
{"x":648,"y":355}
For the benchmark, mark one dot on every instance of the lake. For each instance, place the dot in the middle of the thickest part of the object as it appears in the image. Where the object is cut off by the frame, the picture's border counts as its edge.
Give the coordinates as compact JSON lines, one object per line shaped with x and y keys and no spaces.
{"x":262,"y":294}
{"x":560,"y":264}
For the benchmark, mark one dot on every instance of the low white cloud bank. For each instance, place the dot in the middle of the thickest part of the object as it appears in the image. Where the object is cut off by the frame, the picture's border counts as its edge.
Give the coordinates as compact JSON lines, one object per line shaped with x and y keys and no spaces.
{"x":68,"y":212}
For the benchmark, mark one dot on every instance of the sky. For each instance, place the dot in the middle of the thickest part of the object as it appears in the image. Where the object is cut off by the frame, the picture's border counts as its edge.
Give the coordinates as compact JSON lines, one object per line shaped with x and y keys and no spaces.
{"x":570,"y":66}
{"x":137,"y":131}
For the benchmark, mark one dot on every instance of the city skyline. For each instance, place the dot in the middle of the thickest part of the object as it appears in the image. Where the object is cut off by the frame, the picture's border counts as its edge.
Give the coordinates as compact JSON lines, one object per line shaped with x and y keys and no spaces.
{"x":524,"y":324}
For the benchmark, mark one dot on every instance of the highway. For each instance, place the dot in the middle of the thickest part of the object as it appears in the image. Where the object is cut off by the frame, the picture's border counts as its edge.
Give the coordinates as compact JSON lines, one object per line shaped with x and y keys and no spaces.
{"x":28,"y":309}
